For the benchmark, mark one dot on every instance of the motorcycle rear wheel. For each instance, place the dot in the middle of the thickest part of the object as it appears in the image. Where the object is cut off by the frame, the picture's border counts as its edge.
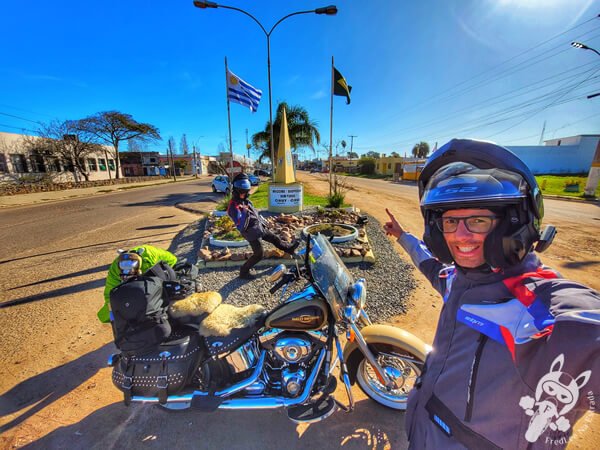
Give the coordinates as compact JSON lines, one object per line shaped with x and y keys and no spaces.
{"x":401,"y":366}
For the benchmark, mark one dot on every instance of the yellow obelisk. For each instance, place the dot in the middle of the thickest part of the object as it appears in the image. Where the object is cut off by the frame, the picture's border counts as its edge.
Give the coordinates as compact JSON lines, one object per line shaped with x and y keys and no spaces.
{"x":285,"y":195}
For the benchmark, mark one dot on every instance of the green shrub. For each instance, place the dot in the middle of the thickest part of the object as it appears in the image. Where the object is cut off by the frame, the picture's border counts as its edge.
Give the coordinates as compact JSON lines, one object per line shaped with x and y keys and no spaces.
{"x":367,"y":165}
{"x":223,"y":203}
{"x":335,"y":200}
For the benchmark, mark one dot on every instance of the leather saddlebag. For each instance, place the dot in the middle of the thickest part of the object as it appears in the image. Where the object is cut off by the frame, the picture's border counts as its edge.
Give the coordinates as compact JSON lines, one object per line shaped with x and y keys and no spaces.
{"x":159,"y":373}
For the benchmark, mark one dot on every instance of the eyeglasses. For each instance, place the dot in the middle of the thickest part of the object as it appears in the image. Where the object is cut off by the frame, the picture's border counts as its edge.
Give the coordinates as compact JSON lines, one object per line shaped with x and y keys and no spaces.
{"x":475,"y":224}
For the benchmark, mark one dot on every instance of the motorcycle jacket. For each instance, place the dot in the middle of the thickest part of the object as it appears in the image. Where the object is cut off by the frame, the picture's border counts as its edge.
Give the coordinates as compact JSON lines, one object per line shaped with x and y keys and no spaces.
{"x":150,"y":257}
{"x":246,"y":218}
{"x":515,"y":360}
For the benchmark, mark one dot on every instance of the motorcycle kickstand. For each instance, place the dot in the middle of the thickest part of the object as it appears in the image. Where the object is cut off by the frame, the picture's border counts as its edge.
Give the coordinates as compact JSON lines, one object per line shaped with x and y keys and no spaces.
{"x":344,"y":377}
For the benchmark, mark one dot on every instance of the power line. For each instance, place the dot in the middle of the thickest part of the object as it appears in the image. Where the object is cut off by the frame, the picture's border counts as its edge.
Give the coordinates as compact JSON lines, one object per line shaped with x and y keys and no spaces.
{"x":19,"y":117}
{"x":17,"y":128}
{"x":505,"y":62}
{"x":488,"y":100}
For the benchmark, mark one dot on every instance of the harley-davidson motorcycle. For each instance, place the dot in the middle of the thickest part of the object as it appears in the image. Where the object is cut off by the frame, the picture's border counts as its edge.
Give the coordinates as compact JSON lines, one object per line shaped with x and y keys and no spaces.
{"x":288,"y":357}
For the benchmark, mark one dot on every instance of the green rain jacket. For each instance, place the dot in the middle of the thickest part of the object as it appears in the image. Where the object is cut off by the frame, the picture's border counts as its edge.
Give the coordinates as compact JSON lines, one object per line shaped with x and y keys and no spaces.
{"x":150,"y":257}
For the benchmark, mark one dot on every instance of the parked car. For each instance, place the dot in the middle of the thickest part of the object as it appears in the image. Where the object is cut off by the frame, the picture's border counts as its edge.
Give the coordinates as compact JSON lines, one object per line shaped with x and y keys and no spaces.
{"x":262,"y":173}
{"x":221,"y":184}
{"x":254,"y":180}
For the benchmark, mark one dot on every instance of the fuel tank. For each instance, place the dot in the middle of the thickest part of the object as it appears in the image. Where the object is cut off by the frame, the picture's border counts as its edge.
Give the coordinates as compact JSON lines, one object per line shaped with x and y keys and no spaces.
{"x":299,"y":315}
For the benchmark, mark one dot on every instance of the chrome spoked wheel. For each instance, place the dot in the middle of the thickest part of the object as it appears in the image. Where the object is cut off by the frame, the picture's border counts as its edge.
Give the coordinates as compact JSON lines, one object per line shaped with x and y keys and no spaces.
{"x":400,"y":366}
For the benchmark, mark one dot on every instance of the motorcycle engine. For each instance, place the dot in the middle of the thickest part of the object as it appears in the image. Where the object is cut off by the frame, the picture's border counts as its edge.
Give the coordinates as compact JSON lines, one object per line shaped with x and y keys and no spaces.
{"x":291,"y":355}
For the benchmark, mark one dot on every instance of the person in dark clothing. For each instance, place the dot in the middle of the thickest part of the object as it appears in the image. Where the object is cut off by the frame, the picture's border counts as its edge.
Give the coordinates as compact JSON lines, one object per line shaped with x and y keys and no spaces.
{"x":251,"y":225}
{"x":516,"y":354}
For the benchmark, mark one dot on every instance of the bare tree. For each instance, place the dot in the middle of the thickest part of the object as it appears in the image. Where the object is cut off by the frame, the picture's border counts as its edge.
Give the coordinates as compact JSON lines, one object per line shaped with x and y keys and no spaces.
{"x":112,"y":127}
{"x":184,"y":145}
{"x":64,"y":141}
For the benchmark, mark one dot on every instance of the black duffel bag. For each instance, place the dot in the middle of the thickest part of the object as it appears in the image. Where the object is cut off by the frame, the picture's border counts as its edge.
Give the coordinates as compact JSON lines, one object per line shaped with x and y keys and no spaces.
{"x":162,"y":372}
{"x":139,"y":308}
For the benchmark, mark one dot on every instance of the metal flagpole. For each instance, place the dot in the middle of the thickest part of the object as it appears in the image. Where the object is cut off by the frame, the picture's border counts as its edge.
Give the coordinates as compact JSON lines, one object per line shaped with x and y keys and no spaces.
{"x":229,"y":124}
{"x":331,"y":129}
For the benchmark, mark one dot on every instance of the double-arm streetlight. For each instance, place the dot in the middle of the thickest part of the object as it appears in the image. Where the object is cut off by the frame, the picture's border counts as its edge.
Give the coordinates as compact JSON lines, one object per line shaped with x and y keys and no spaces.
{"x":327,"y":10}
{"x":584,"y":47}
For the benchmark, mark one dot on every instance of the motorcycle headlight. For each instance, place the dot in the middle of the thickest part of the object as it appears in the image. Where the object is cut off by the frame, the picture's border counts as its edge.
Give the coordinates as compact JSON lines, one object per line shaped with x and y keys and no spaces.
{"x":359,"y":293}
{"x":277,"y":273}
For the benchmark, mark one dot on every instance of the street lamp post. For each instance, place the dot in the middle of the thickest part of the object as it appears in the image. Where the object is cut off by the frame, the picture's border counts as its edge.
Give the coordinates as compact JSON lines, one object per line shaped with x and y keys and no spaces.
{"x":327,"y":10}
{"x":594,"y":173}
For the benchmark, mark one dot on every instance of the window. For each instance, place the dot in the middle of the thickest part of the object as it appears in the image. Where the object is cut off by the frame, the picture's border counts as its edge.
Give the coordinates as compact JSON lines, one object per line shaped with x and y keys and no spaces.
{"x":92,"y":166}
{"x":3,"y":166}
{"x":37,"y":163}
{"x":389,"y":165}
{"x":53,"y":164}
{"x":111,"y":164}
{"x":102,"y":164}
{"x":152,"y":160}
{"x":68,"y":165}
{"x":19,"y":163}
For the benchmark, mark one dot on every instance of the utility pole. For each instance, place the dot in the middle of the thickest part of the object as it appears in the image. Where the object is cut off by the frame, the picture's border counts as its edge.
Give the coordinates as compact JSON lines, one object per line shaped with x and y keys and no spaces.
{"x":247,"y":145}
{"x":195,"y":163}
{"x":351,"y":136}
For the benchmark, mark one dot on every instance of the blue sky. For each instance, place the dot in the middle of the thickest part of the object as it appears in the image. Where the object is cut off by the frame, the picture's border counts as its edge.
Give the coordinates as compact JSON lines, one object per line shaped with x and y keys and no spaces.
{"x":427,"y":70}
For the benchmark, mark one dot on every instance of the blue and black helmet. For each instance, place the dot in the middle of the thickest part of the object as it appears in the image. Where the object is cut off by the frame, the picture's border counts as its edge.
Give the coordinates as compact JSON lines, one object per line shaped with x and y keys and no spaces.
{"x":241,"y":184}
{"x":470,"y":174}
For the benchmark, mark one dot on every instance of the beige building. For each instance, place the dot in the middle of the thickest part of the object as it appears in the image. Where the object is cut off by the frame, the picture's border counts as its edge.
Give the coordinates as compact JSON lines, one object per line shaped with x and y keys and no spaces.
{"x":17,"y":162}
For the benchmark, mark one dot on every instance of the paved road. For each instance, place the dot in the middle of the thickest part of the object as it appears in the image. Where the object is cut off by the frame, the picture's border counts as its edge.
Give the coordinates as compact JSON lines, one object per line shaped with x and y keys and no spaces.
{"x":582,"y":212}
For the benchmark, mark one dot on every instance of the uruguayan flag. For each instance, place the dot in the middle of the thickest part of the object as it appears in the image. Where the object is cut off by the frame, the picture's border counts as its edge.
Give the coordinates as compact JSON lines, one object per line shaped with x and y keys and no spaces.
{"x":239,"y":91}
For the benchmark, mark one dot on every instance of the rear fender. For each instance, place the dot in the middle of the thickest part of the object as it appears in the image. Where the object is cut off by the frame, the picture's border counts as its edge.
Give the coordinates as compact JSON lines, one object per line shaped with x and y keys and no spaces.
{"x":383,"y":334}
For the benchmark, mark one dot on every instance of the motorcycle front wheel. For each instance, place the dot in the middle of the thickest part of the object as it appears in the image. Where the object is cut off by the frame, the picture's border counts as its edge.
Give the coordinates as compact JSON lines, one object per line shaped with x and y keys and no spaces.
{"x":402,"y":367}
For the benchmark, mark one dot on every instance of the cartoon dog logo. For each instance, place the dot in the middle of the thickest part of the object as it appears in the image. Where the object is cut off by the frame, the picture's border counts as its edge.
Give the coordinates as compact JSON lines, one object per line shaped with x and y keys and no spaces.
{"x":556,"y":394}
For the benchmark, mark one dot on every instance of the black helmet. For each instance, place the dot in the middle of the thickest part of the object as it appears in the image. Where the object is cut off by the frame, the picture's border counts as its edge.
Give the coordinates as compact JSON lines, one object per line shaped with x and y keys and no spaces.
{"x":241,"y":184}
{"x":466,"y":174}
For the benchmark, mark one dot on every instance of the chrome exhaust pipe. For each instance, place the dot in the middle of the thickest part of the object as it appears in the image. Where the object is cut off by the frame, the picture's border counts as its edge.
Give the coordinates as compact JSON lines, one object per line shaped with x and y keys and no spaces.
{"x":249,"y":403}
{"x":277,"y":402}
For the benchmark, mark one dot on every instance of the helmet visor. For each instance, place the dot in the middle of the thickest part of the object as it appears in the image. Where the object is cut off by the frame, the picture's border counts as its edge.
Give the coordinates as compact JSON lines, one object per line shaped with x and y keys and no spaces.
{"x":461,"y":185}
{"x":129,"y":265}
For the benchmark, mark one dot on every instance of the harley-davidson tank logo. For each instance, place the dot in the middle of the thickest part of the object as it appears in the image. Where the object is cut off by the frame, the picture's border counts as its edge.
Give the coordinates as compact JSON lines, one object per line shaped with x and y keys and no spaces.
{"x":305,"y":318}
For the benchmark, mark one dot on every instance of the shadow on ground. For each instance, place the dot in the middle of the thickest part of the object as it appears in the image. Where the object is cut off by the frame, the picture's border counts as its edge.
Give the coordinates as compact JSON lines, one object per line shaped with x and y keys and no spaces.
{"x":42,"y":390}
{"x":370,"y":426}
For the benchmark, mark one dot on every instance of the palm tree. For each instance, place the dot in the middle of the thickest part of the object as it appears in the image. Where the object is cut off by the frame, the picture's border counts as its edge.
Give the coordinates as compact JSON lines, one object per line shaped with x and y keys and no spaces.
{"x":303,"y":131}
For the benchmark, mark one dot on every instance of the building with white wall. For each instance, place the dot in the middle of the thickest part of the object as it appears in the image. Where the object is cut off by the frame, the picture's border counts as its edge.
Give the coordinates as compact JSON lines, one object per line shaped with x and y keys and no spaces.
{"x":18,"y":162}
{"x":568,"y":155}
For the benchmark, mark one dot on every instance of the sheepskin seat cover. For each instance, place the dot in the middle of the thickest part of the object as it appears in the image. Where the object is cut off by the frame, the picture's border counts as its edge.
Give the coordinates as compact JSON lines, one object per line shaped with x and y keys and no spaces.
{"x":226,"y":318}
{"x":195,"y":306}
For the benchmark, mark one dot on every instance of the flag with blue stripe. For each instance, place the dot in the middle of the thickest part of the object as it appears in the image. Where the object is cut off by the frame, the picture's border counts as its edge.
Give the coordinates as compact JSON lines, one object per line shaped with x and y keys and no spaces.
{"x":238,"y":91}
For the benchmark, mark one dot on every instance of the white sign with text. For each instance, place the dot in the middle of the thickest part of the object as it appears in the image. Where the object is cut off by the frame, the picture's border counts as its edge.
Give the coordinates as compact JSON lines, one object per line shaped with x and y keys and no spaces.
{"x":286,"y":196}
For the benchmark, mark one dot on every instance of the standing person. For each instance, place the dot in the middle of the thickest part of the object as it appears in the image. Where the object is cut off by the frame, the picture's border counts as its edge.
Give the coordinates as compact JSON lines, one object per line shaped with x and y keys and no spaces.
{"x":128,"y":264}
{"x":516,"y":355}
{"x":251,"y":226}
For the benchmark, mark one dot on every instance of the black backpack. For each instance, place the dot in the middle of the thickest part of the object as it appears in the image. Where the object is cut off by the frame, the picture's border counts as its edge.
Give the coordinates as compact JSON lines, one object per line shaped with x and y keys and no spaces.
{"x":139,"y":307}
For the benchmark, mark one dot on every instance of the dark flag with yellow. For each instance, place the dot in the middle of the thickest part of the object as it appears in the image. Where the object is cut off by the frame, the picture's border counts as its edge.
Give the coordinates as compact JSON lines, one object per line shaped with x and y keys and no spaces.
{"x":340,"y":86}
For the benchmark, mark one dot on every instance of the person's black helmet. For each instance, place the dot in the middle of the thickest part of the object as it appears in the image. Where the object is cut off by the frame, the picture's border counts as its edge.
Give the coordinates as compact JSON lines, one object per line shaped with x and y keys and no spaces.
{"x":241,"y":184}
{"x":466,"y":174}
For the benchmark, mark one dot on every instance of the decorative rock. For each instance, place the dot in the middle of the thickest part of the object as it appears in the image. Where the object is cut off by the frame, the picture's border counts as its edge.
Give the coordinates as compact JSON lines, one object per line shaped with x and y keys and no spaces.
{"x":238,"y":257}
{"x":205,"y":254}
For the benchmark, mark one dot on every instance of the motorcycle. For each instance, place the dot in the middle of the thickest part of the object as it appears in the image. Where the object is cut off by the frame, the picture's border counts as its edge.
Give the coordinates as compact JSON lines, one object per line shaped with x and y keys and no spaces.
{"x":287,"y":357}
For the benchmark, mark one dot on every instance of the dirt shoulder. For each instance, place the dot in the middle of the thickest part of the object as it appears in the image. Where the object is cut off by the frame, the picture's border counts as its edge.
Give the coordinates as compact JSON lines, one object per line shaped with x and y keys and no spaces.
{"x":574,"y":254}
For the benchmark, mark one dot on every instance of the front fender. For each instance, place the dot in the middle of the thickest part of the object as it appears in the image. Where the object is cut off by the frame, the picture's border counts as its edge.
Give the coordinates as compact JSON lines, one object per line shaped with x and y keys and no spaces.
{"x":383,"y":334}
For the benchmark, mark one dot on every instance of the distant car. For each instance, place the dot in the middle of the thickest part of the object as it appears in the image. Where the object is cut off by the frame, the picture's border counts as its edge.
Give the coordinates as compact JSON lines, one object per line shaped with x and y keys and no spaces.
{"x":262,"y":173}
{"x":254,"y":180}
{"x":221,"y":184}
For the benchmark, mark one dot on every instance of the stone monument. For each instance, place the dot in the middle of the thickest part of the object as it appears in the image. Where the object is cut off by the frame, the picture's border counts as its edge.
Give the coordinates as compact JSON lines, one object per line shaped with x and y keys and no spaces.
{"x":285,"y":194}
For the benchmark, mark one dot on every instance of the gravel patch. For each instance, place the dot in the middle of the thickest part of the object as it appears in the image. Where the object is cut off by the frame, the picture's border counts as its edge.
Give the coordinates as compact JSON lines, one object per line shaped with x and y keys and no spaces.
{"x":389,"y":280}
{"x":187,"y":242}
